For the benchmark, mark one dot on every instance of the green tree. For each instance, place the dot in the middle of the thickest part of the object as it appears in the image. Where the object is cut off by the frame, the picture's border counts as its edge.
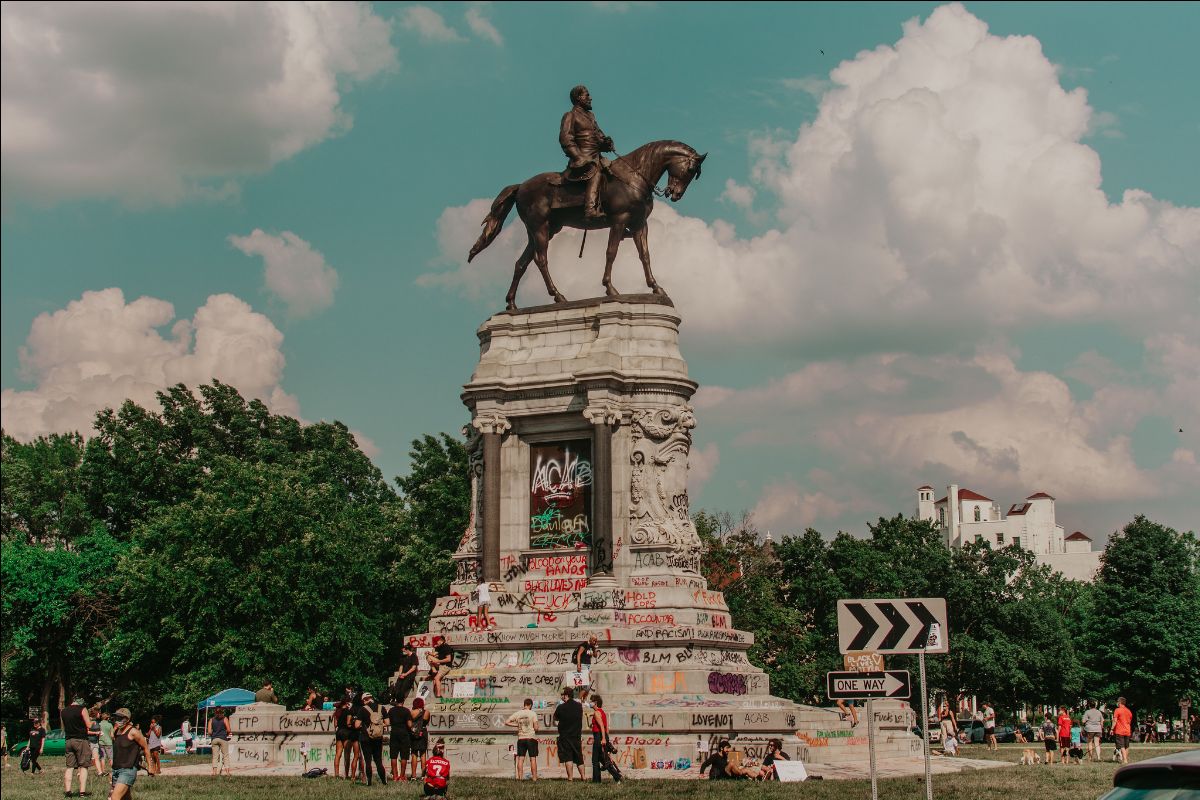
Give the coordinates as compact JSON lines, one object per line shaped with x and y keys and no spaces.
{"x":1141,"y":624}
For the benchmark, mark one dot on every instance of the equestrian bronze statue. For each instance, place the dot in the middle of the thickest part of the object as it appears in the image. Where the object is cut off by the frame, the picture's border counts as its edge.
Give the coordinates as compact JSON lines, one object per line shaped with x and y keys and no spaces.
{"x":625,"y":187}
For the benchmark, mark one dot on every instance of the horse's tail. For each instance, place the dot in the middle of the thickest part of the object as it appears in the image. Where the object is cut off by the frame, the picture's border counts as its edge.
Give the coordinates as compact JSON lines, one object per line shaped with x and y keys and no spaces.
{"x":494,"y":221}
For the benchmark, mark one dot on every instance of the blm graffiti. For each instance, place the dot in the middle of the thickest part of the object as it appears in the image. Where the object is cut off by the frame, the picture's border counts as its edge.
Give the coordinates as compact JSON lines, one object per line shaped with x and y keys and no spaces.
{"x":560,"y":494}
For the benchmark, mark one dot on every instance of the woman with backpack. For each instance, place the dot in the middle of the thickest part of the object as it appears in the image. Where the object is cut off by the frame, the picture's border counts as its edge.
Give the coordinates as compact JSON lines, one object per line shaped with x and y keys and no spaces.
{"x":420,"y":735}
{"x":370,"y":736}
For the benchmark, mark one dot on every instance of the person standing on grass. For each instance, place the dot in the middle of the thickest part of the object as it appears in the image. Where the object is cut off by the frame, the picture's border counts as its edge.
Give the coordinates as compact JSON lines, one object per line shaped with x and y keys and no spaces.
{"x":948,"y":722}
{"x":342,"y":727}
{"x":218,"y":734}
{"x":1093,"y":728}
{"x":353,"y":766}
{"x":155,"y":732}
{"x":370,"y":736}
{"x":600,"y":742}
{"x":420,"y":735}
{"x":106,"y":742}
{"x":4,"y":745}
{"x":75,"y":725}
{"x":1064,"y":735}
{"x":94,"y":738}
{"x":568,"y":717}
{"x":399,"y":720}
{"x":1122,"y":729}
{"x":128,"y":745}
{"x":1050,"y":738}
{"x":37,"y":740}
{"x":525,"y":721}
{"x":989,"y":726}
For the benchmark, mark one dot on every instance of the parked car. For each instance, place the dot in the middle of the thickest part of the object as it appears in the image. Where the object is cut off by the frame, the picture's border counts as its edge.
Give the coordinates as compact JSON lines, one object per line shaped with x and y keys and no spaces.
{"x":55,"y":744}
{"x":970,"y":731}
{"x":1170,"y":777}
{"x":173,"y":742}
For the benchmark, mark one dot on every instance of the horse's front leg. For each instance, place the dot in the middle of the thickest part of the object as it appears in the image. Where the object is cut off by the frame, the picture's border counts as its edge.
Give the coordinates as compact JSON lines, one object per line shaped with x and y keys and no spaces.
{"x":641,"y":238}
{"x":615,"y":234}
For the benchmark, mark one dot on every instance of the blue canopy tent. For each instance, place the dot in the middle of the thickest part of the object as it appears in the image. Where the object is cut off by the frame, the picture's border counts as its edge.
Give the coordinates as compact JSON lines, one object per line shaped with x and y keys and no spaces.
{"x":222,"y":699}
{"x":227,"y":698}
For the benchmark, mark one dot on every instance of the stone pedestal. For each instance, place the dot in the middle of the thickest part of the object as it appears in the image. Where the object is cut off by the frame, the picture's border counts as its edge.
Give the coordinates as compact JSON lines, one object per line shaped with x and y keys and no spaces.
{"x":580,"y":435}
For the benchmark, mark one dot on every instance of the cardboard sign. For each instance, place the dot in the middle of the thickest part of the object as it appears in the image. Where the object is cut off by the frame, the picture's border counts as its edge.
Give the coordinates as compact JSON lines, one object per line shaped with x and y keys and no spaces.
{"x":464,"y":688}
{"x":860,"y":661}
{"x":425,"y":690}
{"x":791,"y":771}
{"x":576,"y":680}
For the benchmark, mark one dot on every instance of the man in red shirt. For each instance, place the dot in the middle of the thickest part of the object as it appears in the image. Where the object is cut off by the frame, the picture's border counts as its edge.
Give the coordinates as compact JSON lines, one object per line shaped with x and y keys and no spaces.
{"x":1122,"y":729}
{"x":437,"y":771}
{"x":1064,"y":732}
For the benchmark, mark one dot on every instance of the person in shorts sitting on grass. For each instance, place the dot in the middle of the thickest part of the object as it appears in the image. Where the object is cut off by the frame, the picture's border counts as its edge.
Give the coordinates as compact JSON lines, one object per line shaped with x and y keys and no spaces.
{"x":129,"y":746}
{"x":719,"y":767}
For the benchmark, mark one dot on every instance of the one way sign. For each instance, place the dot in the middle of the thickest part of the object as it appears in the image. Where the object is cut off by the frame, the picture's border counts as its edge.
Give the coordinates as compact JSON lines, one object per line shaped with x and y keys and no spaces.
{"x":893,"y":626}
{"x":868,"y":685}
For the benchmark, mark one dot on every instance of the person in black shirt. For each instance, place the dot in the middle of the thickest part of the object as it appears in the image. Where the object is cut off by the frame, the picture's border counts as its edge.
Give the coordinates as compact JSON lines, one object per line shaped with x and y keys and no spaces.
{"x":400,"y":747}
{"x":584,"y":653}
{"x":408,"y":674}
{"x":721,"y":769}
{"x":568,"y":716}
{"x":128,"y":746}
{"x":370,"y":736}
{"x":75,"y":723}
{"x":774,"y":753}
{"x":37,"y":740}
{"x":439,"y":662}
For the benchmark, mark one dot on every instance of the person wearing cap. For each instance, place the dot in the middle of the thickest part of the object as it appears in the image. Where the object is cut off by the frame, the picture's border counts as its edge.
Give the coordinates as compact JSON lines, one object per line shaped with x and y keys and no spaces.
{"x":128,"y":745}
{"x":369,"y":721}
{"x":75,"y":724}
{"x":437,"y":771}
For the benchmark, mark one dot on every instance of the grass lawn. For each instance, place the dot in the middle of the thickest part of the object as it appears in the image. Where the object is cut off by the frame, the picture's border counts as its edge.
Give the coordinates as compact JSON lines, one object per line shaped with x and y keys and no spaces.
{"x":1080,"y":782}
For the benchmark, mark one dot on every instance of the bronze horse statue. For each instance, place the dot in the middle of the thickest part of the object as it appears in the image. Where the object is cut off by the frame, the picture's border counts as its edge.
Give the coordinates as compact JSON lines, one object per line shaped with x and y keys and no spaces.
{"x":546,"y":203}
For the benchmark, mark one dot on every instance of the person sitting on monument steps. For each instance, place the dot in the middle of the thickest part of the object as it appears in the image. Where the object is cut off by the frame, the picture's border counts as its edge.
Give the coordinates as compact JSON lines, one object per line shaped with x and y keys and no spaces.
{"x":439,"y":662}
{"x":525,"y":721}
{"x":266,"y":694}
{"x":718,"y":764}
{"x":568,"y":716}
{"x":408,"y":673}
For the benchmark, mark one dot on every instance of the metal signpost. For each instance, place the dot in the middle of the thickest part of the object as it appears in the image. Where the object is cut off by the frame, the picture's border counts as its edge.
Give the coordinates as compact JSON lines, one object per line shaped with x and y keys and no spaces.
{"x":896,"y":625}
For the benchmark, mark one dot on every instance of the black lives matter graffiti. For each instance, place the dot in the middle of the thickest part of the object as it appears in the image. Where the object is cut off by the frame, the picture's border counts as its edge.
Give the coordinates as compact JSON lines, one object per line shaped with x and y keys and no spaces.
{"x":560,"y":494}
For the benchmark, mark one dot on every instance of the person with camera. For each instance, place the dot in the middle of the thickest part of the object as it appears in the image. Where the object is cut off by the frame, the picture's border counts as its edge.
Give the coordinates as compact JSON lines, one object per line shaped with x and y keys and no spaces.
{"x":602,"y":747}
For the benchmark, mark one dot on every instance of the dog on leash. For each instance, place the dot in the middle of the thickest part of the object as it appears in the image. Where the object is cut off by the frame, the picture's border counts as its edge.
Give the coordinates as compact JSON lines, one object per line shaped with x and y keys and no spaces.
{"x":1030,"y":757}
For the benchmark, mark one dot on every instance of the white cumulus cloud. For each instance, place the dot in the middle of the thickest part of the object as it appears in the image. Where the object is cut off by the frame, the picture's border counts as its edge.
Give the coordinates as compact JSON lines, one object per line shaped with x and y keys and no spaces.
{"x":295,"y":272}
{"x":481,"y":26}
{"x":99,"y":351}
{"x":155,"y":102}
{"x":429,"y":25}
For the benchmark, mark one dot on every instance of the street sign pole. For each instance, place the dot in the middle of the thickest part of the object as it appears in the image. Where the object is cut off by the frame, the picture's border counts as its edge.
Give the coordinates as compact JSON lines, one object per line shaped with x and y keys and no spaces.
{"x":925,"y":729}
{"x":871,"y":747}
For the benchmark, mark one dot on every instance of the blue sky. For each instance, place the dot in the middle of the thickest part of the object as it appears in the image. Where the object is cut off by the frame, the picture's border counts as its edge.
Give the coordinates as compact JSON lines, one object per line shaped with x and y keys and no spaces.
{"x":931,"y":244}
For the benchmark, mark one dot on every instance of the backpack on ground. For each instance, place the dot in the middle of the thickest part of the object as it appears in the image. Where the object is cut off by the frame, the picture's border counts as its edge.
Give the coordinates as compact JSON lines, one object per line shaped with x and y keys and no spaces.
{"x":375,"y":726}
{"x":316,"y":772}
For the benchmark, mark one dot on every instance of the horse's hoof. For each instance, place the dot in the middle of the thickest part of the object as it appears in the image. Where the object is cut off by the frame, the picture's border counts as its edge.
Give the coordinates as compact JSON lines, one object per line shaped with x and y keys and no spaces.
{"x":558,"y":298}
{"x":658,"y":290}
{"x":611,"y":291}
{"x":510,"y":307}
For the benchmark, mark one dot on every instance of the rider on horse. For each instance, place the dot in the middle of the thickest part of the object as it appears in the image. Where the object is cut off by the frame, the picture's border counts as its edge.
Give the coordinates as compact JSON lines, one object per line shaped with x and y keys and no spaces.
{"x":582,"y":141}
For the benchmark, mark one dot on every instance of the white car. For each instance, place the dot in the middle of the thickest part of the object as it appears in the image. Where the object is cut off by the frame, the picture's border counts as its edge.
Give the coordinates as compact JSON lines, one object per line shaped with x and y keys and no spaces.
{"x":173,"y":742}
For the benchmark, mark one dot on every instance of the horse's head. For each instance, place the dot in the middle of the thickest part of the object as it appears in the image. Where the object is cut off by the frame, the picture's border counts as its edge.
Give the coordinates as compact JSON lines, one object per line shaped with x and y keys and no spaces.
{"x":682,"y":169}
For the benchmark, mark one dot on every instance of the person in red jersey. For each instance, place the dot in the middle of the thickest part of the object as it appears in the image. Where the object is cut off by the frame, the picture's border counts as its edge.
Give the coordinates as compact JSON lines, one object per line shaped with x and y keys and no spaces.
{"x":437,"y":771}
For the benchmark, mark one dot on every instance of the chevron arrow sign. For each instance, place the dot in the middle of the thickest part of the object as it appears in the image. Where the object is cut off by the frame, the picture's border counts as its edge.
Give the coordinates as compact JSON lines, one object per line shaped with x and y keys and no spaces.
{"x":893,"y":625}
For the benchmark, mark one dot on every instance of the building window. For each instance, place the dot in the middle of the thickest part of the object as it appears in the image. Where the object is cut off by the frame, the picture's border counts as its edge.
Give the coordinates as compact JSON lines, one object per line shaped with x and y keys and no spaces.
{"x":979,"y":537}
{"x":942,"y":517}
{"x":1017,"y":541}
{"x":977,"y":516}
{"x":1000,"y":538}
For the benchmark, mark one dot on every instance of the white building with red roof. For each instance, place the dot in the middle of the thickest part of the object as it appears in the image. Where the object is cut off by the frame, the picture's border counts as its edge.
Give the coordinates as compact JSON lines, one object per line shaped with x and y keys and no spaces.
{"x":966,"y":516}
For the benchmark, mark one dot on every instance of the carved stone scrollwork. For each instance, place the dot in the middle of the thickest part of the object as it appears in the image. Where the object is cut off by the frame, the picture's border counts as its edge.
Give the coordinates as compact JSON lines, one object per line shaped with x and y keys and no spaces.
{"x":659,"y":513}
{"x":603,"y":413}
{"x":491,"y":422}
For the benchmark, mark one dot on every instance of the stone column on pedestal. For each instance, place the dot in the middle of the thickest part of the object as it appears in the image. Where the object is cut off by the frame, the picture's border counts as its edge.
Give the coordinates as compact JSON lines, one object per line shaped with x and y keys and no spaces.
{"x":491,"y":426}
{"x":603,"y":417}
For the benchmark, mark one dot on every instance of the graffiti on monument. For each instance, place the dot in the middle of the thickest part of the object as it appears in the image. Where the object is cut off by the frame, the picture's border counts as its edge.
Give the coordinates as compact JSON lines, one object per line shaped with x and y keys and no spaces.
{"x":560,"y":494}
